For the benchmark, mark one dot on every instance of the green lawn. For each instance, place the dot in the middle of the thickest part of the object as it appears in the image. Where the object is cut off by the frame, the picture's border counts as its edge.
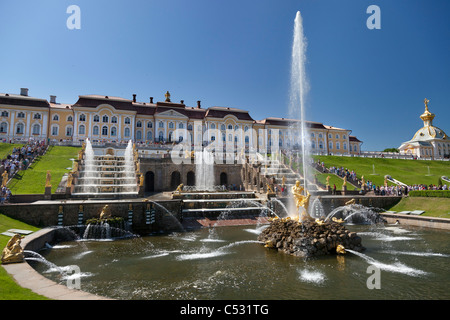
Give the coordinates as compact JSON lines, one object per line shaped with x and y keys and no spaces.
{"x":334,"y":179}
{"x":433,"y":207}
{"x":32,"y":180}
{"x":6,"y":149}
{"x":407,"y":171}
{"x":9,"y":289}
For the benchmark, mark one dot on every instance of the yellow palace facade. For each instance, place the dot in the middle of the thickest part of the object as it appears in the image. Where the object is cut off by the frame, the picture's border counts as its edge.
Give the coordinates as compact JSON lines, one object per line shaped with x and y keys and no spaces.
{"x":114,"y":119}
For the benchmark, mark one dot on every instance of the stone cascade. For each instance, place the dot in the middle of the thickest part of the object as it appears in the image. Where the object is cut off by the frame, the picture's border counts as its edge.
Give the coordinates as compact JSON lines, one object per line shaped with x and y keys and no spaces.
{"x":220,"y":204}
{"x":107,"y":175}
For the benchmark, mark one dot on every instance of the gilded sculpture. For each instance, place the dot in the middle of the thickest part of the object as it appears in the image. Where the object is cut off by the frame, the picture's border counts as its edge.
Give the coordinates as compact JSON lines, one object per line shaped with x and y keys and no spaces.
{"x":301,"y":200}
{"x":105,"y":212}
{"x":48,"y":179}
{"x":13,"y":252}
{"x":179,"y":188}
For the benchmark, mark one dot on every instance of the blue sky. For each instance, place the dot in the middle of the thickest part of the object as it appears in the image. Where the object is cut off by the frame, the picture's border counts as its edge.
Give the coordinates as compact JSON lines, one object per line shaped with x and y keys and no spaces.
{"x":237,"y":53}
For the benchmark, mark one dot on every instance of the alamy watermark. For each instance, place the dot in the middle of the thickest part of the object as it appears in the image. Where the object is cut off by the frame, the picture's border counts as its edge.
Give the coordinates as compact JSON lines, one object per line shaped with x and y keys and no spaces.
{"x":374,"y":280}
{"x":73,"y":22}
{"x":374,"y":20}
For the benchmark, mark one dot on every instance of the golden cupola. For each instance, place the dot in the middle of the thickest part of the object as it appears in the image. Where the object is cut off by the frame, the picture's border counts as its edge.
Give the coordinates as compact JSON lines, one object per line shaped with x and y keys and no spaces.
{"x":427,"y":116}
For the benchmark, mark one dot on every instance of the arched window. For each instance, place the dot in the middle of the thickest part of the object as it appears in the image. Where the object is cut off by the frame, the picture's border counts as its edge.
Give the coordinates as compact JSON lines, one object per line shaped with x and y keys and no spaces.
{"x":171,"y":125}
{"x":55,"y":117}
{"x":69,"y":131}
{"x":20,"y":128}
{"x":104,"y":131}
{"x":82,"y":117}
{"x":330,"y":145}
{"x":36,"y":128}
{"x":230,"y":127}
{"x":105,"y":119}
{"x":161,"y":124}
{"x":139,"y":124}
{"x":5,"y":113}
{"x":149,"y":124}
{"x":95,"y":130}
{"x":139,"y":135}
{"x":161,"y":136}
{"x":55,"y":130}
{"x":181,"y":125}
{"x":127,"y":120}
{"x":247,"y":139}
{"x":338,"y":145}
{"x":127,"y":132}
{"x":4,"y":127}
{"x":149,"y":135}
{"x":96,"y":118}
{"x":190,"y":127}
{"x":222,"y":127}
{"x":69,"y":119}
{"x":114,"y":119}
{"x":213,"y":126}
{"x":81,"y":129}
{"x":113,"y":131}
{"x":21,"y":115}
{"x":37,"y":116}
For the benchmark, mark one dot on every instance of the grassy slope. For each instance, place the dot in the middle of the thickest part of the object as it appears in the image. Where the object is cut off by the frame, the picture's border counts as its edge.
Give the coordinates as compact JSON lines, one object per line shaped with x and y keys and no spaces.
{"x":32,"y":180}
{"x":9,"y":289}
{"x":433,"y":207}
{"x":407,"y":171}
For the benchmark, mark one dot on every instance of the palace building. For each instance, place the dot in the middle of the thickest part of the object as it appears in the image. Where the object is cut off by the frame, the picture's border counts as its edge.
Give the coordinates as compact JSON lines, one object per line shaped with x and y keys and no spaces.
{"x":429,"y":141}
{"x":114,"y":119}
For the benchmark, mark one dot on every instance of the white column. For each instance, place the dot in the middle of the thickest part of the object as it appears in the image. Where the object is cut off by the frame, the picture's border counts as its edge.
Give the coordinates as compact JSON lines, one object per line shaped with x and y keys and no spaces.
{"x":75,"y":126}
{"x":27,"y":127}
{"x":11,"y":125}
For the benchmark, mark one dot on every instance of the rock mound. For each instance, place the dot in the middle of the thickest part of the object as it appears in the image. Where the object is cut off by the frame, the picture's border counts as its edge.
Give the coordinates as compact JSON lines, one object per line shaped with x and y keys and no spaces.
{"x":309,"y":238}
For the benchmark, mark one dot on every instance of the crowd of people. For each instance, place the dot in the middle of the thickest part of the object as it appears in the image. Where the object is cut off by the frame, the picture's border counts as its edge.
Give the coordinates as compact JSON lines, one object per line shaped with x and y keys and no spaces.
{"x":19,"y":159}
{"x":396,"y":190}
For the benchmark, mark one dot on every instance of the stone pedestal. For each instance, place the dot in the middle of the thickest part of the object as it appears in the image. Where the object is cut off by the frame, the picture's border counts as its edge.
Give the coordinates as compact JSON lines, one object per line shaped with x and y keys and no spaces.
{"x":344,"y":190}
{"x":48,"y":192}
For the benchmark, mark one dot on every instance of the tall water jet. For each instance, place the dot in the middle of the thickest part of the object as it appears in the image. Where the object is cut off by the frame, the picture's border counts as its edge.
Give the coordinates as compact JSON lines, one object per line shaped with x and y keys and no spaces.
{"x":298,"y":91}
{"x":204,"y":169}
{"x":90,"y":174}
{"x":129,"y":169}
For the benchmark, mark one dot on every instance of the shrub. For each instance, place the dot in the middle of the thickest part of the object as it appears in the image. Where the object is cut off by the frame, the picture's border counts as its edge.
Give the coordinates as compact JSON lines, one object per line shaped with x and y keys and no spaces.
{"x":430,"y":193}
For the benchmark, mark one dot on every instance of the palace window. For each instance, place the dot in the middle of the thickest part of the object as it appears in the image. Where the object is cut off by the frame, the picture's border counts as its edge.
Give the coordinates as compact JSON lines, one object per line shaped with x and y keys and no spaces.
{"x":180,"y":125}
{"x":114,"y":119}
{"x":230,"y":127}
{"x":5,"y":113}
{"x":96,"y":118}
{"x":127,"y":132}
{"x":37,"y":116}
{"x":4,"y":127}
{"x":20,"y":128}
{"x":105,"y":119}
{"x":55,"y":117}
{"x":21,"y":115}
{"x":82,"y":117}
{"x":69,"y":131}
{"x":338,"y":146}
{"x":149,"y":124}
{"x":222,"y":127}
{"x":36,"y":128}
{"x":113,"y":131}
{"x":245,"y":128}
{"x":54,"y":130}
{"x":345,"y":146}
{"x":104,"y":131}
{"x":81,"y":129}
{"x":330,"y":145}
{"x":139,"y":124}
{"x":247,"y":139}
{"x":337,"y":136}
{"x":69,"y":119}
{"x":161,"y":124}
{"x":213,"y":126}
{"x":190,"y":127}
{"x":149,"y":135}
{"x":171,"y":125}
{"x":139,"y":135}
{"x":95,"y":130}
{"x":127,"y":120}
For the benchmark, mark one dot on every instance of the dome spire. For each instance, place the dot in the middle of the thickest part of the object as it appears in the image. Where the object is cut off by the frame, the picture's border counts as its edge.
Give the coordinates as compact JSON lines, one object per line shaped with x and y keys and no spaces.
{"x":427,"y":116}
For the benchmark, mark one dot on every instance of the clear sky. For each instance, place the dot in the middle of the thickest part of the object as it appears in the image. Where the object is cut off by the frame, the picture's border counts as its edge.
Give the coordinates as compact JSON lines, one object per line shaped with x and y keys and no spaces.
{"x":237,"y":53}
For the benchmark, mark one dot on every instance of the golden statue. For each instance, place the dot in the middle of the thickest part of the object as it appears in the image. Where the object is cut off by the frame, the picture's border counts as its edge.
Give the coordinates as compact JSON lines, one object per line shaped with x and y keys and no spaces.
{"x":48,"y":179}
{"x":301,"y":201}
{"x":426,"y":103}
{"x":13,"y":252}
{"x":363,"y":182}
{"x":167,"y":95}
{"x":138,"y":167}
{"x":80,"y":208}
{"x":105,"y":212}
{"x":353,"y":201}
{"x":328,"y":181}
{"x":75,"y":166}
{"x":345,"y":181}
{"x":269,"y":189}
{"x":319,"y":222}
{"x":179,"y":188}
{"x":5,"y":177}
{"x":70,"y":179}
{"x":283,"y":181}
{"x":340,"y":249}
{"x":337,"y":220}
{"x":141,"y":180}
